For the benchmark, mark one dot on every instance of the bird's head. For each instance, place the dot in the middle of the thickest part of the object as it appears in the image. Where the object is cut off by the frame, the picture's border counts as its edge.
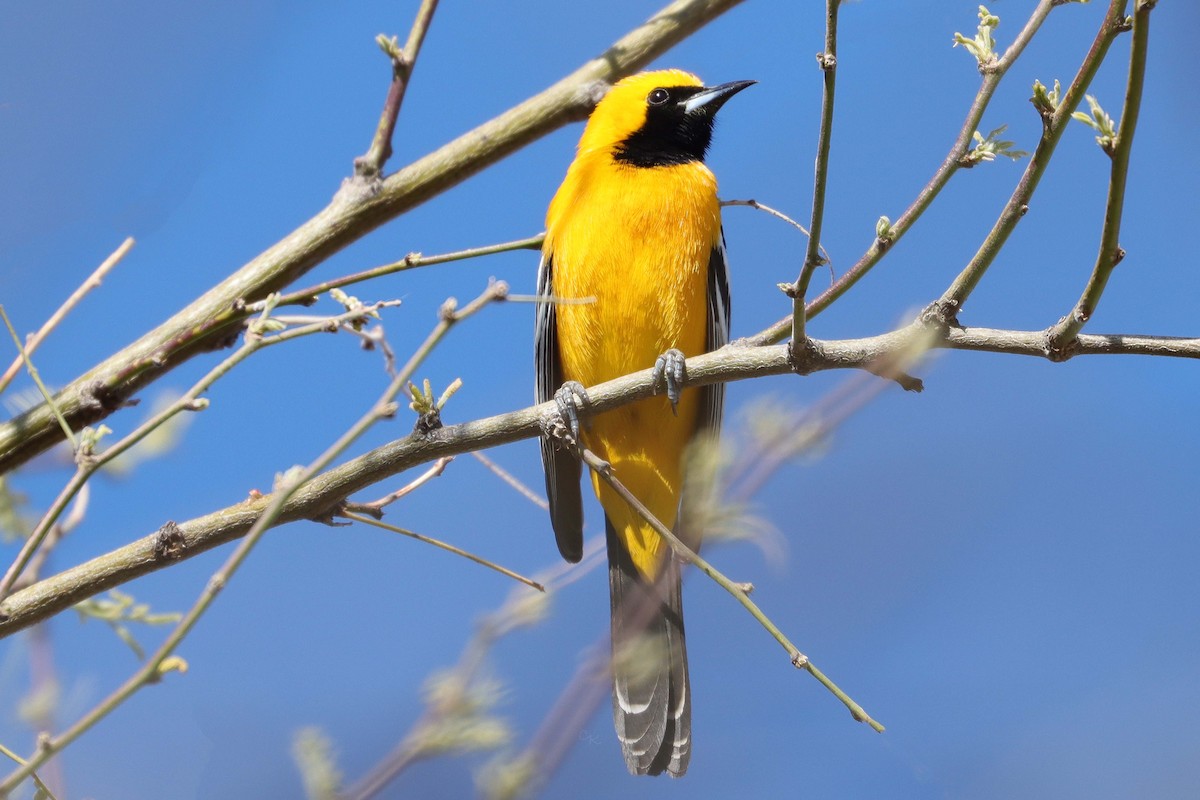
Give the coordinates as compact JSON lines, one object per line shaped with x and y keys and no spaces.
{"x":656,"y":119}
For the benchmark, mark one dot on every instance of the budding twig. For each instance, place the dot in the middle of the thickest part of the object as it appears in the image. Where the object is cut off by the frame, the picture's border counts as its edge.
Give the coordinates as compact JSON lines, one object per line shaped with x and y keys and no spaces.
{"x":798,"y":659}
{"x":1062,"y":335}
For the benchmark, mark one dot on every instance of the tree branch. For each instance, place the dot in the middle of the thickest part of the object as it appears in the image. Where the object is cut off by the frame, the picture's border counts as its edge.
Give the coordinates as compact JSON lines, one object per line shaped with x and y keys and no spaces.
{"x":158,"y":664}
{"x":827,"y":60}
{"x":319,"y":497}
{"x":370,"y":164}
{"x":685,"y":553}
{"x":1063,"y":334}
{"x":411,"y":261}
{"x":949,"y":166}
{"x":1054,"y":123}
{"x":93,"y":280}
{"x":210,"y":322}
{"x":88,"y":462}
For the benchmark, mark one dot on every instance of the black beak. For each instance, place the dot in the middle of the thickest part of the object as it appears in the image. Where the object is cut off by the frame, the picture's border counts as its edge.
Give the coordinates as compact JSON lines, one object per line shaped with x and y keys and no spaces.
{"x":709,"y":99}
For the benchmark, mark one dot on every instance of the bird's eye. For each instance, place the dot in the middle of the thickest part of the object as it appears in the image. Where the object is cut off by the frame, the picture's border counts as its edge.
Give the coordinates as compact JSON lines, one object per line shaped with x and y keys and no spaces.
{"x":658,"y":97}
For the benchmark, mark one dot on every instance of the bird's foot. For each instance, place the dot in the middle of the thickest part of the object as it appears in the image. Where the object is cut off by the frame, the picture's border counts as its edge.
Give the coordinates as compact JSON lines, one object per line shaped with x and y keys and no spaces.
{"x":670,"y":373}
{"x":563,"y":425}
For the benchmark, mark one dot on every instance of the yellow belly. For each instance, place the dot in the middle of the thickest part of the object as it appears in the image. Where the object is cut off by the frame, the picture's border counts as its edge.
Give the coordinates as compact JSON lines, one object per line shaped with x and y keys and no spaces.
{"x":640,"y":247}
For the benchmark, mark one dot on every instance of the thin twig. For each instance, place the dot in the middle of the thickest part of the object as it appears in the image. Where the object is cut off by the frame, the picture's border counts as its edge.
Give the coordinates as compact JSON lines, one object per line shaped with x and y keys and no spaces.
{"x":1062,"y":335}
{"x":798,"y":659}
{"x":575,"y":705}
{"x":59,"y":531}
{"x":370,"y":165}
{"x":551,"y":298}
{"x":516,"y":612}
{"x":827,"y":60}
{"x":23,"y":357}
{"x":153,"y":668}
{"x":751,"y":203}
{"x":577,"y":701}
{"x":44,"y":684}
{"x":458,"y":551}
{"x":512,"y":480}
{"x":372,"y":338}
{"x":949,"y":167}
{"x":946,"y":308}
{"x":93,"y":280}
{"x":375,"y":507}
{"x":411,"y":261}
{"x":189,"y":401}
{"x":36,"y":780}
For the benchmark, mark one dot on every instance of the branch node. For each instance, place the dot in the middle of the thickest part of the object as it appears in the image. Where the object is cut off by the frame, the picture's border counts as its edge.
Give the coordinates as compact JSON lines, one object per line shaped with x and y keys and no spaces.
{"x":1057,"y":347}
{"x":328,"y":515}
{"x":169,"y":542}
{"x":803,"y":360}
{"x":908,"y":383}
{"x":941,"y":315}
{"x":428,"y":422}
{"x":369,"y":509}
{"x":98,"y":396}
{"x":827,"y":62}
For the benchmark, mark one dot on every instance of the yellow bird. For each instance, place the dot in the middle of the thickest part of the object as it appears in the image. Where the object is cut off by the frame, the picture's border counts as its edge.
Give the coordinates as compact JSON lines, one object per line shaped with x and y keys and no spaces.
{"x":636,"y":227}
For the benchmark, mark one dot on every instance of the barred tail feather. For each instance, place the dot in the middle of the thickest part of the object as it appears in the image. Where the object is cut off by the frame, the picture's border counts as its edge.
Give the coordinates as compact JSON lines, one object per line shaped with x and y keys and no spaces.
{"x":652,"y":707}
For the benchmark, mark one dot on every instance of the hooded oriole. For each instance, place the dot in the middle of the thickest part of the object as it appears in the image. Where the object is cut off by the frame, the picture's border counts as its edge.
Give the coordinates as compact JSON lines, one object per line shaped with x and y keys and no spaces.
{"x":636,"y":227}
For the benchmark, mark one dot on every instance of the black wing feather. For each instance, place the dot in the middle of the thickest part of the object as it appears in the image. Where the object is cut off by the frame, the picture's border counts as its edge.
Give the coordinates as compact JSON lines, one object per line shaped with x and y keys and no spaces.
{"x":712,"y":397}
{"x":562,"y":468}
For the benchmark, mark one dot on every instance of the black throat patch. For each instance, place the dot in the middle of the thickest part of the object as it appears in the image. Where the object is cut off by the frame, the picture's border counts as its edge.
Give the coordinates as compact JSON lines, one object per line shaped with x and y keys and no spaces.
{"x":669,"y":136}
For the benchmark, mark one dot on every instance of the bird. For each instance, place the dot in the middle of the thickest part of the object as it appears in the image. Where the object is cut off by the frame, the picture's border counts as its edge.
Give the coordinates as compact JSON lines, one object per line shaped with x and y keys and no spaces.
{"x":633,"y":274}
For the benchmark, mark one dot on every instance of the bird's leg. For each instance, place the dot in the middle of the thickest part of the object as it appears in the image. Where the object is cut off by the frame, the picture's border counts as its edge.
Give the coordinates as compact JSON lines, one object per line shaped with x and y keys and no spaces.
{"x":671,"y":373}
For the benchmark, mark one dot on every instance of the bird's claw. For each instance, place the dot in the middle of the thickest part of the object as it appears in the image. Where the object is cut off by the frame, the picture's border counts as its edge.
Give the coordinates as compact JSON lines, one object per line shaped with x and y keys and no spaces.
{"x":570,"y":399}
{"x":670,"y":372}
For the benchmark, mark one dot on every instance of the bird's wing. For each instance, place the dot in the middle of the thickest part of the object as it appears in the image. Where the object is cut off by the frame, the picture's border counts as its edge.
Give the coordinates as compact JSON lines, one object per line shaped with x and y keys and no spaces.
{"x":562,"y":468}
{"x":712,"y":397}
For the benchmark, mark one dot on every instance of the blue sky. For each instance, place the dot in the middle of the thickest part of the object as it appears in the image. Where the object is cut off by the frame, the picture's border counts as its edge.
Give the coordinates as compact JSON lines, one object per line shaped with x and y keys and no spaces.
{"x":1001,"y":569}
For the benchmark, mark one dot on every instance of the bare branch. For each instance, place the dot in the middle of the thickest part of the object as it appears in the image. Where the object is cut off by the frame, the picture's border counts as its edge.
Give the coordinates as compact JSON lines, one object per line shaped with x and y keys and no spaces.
{"x":893,"y":231}
{"x":685,"y":553}
{"x":1063,"y":334}
{"x":757,"y":206}
{"x":506,"y":476}
{"x":827,"y":60}
{"x":211,"y":320}
{"x":88,"y":462}
{"x":410,"y":261}
{"x":449,"y":548}
{"x":162,"y":661}
{"x":375,"y":507}
{"x":93,"y":280}
{"x":370,"y":164}
{"x":319,"y":498}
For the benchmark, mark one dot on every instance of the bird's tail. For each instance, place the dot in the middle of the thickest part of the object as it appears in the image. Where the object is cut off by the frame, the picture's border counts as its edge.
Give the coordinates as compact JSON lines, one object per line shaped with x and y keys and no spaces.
{"x":652,"y":704}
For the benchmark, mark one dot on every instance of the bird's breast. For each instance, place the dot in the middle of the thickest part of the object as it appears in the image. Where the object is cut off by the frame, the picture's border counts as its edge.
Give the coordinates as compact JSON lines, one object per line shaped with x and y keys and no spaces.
{"x":630,"y":249}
